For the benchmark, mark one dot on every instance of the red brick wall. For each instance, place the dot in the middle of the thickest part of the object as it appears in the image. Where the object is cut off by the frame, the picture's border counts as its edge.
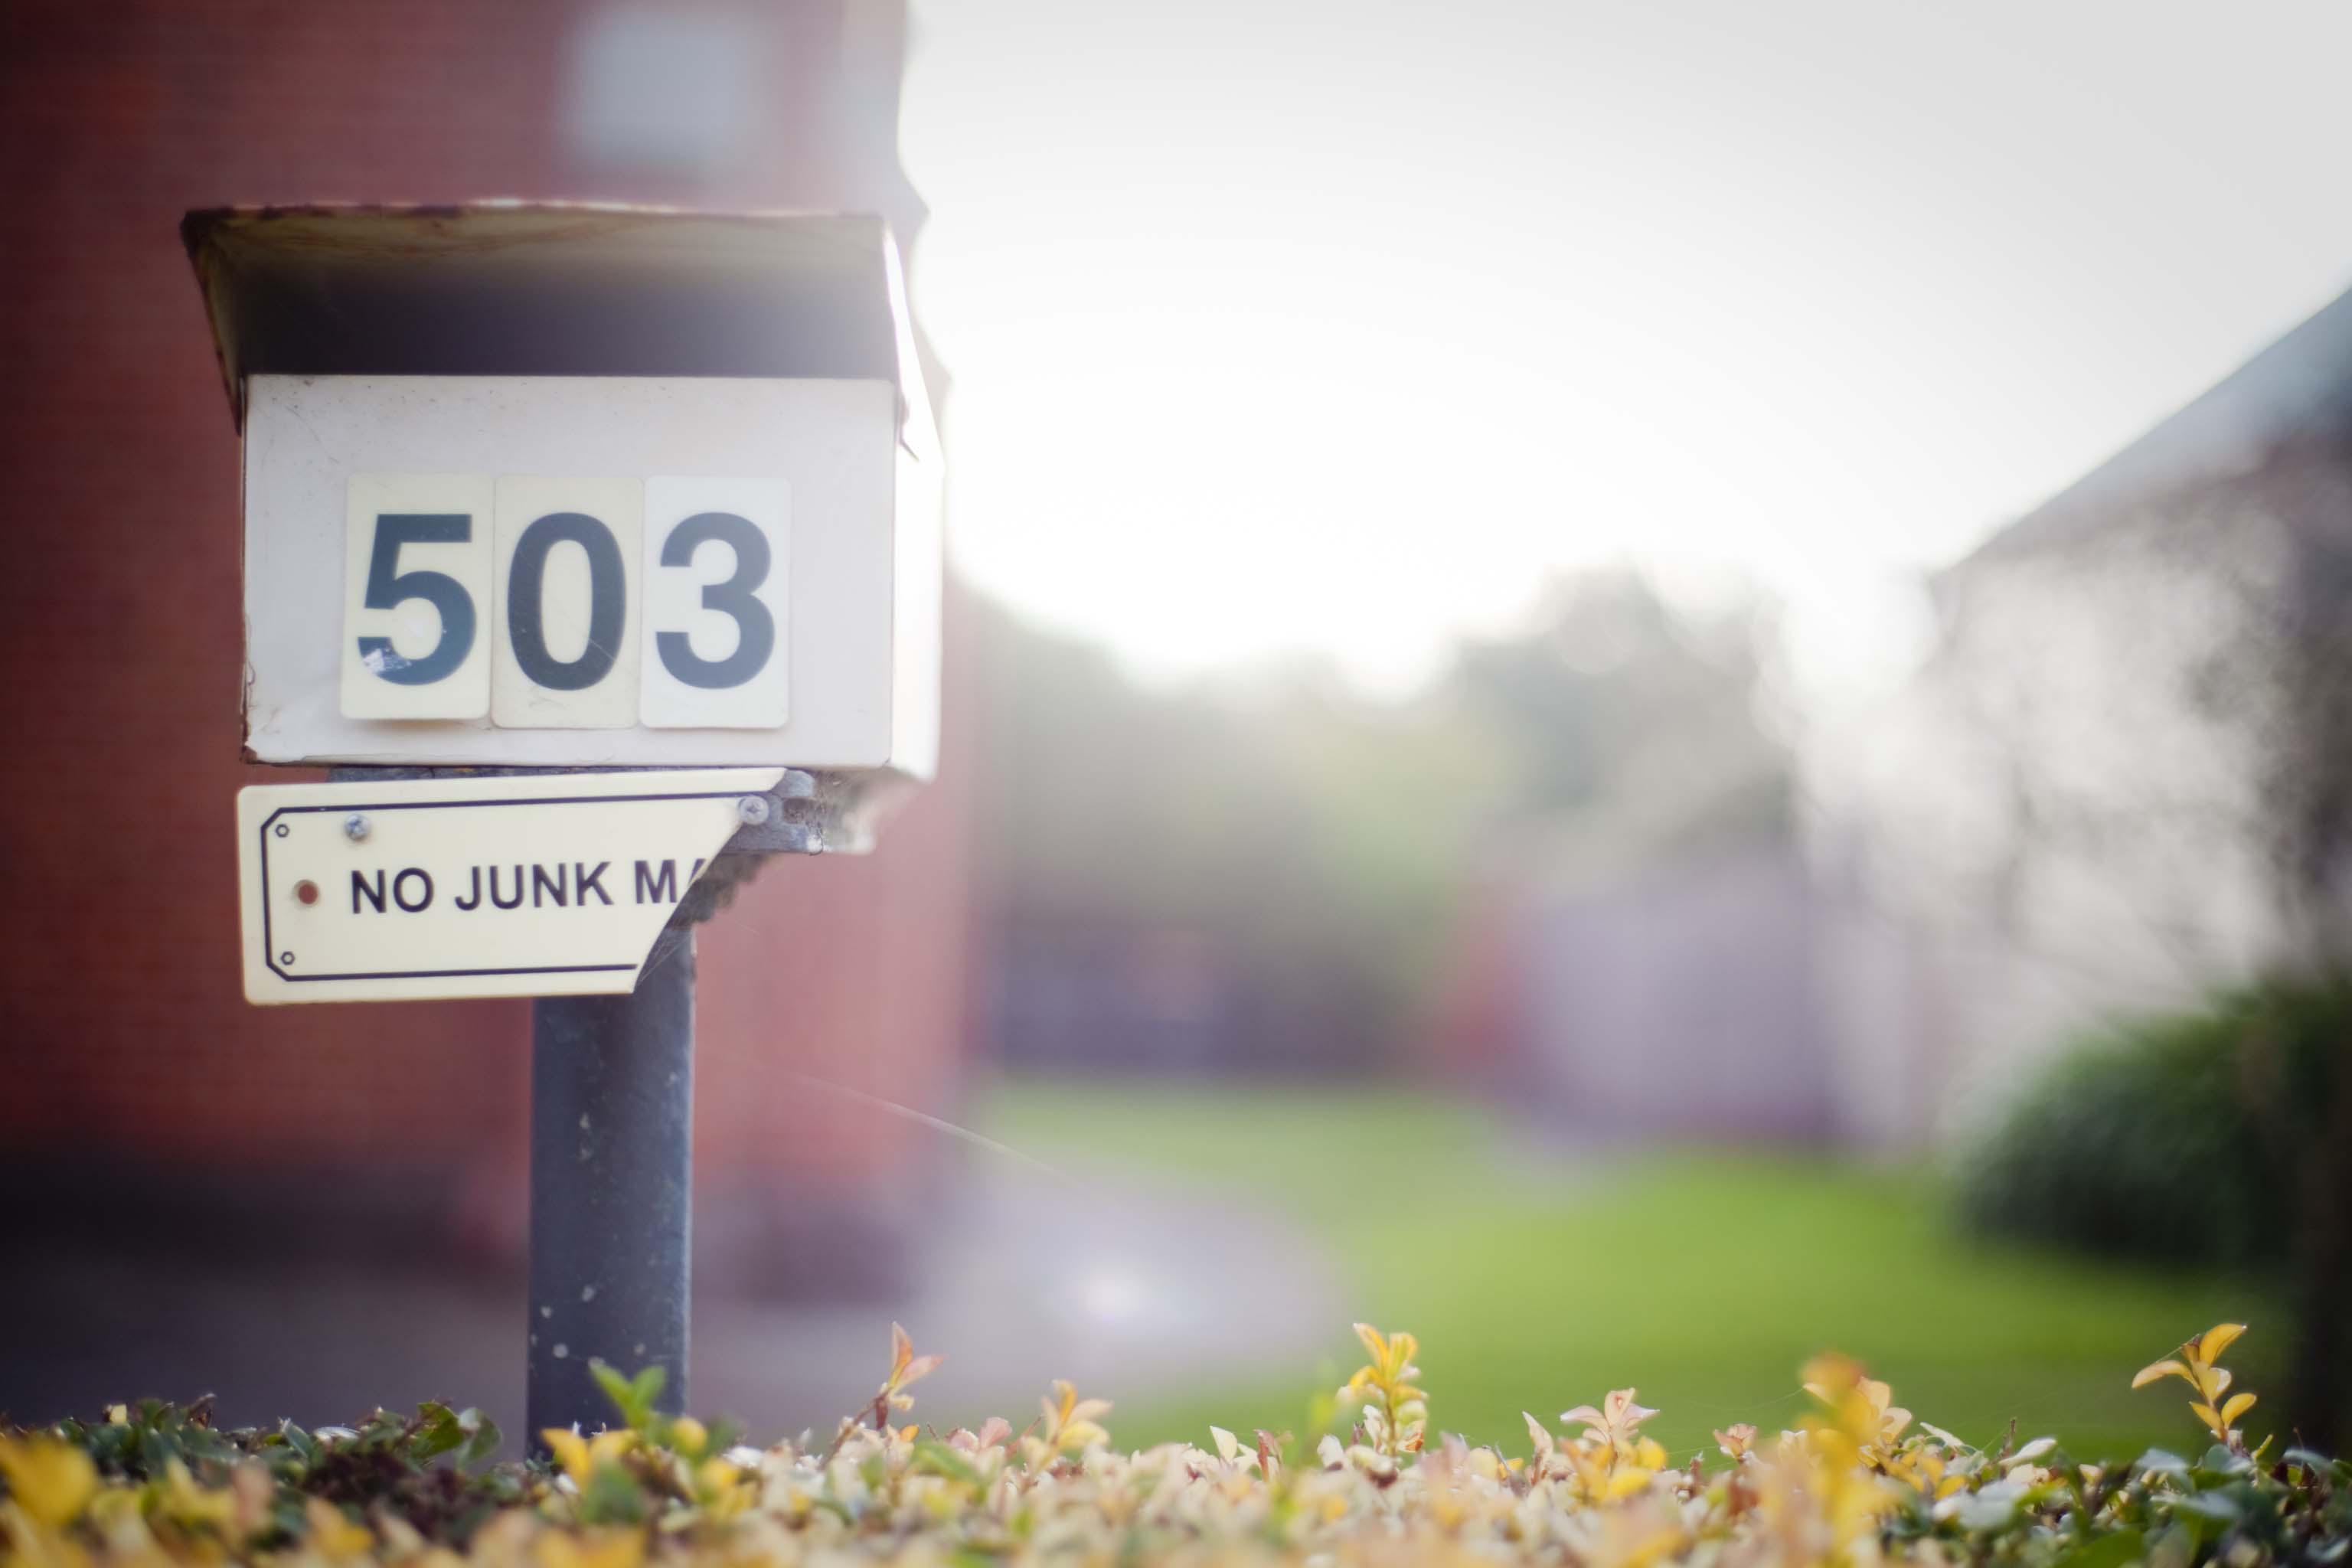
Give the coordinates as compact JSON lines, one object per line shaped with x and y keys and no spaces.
{"x":121,"y":1025}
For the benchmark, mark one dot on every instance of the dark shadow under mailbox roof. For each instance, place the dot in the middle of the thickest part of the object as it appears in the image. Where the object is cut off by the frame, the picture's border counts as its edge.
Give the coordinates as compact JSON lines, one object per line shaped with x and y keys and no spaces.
{"x":513,"y":288}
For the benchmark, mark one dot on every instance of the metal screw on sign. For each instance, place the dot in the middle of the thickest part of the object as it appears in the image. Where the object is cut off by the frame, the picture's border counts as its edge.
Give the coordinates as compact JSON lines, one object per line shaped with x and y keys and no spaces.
{"x":356,"y":827}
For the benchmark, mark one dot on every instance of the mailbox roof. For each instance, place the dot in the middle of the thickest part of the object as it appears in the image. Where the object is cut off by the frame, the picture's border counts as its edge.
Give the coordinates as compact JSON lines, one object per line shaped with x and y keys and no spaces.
{"x":537,"y":289}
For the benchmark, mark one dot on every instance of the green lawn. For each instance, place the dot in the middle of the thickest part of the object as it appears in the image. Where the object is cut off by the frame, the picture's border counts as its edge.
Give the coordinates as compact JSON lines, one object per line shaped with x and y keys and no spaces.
{"x":1703,"y":1279}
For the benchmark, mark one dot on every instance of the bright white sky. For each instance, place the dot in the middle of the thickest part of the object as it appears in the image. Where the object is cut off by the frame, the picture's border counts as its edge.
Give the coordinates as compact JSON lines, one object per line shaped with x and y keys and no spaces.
{"x":1332,"y":325}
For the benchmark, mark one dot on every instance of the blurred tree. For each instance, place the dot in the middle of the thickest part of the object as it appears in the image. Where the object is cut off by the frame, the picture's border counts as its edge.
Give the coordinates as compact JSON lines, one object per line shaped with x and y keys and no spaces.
{"x":1320,"y":838}
{"x":1610,"y":700}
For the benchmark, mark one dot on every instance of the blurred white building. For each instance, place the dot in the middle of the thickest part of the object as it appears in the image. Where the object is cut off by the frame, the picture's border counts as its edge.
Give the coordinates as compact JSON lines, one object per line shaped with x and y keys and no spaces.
{"x":2122,"y":779}
{"x":2117,"y":780}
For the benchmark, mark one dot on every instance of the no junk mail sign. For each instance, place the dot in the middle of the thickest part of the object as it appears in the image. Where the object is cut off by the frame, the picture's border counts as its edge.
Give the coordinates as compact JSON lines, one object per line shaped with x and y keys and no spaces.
{"x":548,"y":885}
{"x":532,"y":490}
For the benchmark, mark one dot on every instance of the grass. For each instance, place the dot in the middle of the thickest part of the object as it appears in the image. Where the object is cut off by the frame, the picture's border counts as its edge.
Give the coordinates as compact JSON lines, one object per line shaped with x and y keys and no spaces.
{"x":1702,"y":1278}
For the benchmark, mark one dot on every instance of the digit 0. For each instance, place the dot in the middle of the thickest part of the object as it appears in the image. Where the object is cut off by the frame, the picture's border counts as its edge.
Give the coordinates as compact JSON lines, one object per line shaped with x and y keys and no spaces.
{"x":526,"y":601}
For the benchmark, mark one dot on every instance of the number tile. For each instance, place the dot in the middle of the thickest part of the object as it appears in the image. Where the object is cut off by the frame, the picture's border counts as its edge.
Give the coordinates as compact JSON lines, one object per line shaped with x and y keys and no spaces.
{"x":569,"y":556}
{"x":416,"y":593}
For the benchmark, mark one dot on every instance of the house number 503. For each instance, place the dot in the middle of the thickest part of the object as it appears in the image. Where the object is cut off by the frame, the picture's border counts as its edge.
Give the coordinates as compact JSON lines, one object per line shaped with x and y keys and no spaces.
{"x":547,"y":603}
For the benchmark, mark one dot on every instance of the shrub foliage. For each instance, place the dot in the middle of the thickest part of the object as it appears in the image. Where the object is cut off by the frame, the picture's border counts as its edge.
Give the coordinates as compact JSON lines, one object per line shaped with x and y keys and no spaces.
{"x":1857,"y":1481}
{"x":2176,"y":1137}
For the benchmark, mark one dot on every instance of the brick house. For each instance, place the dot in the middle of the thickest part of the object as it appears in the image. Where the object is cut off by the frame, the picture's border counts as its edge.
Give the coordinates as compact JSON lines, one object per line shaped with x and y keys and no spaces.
{"x":131,"y":1069}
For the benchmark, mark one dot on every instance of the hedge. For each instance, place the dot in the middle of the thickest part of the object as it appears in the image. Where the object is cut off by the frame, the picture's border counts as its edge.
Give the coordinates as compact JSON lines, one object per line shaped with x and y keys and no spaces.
{"x":1857,"y":1481}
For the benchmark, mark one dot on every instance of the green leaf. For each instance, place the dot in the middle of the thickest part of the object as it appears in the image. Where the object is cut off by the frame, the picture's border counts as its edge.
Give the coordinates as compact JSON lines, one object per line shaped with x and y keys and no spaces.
{"x":482,"y":1440}
{"x":2217,"y":1507}
{"x":616,"y":1388}
{"x":650,"y":1383}
{"x":632,"y":1397}
{"x":2220,"y":1461}
{"x":611,"y":1497}
{"x":304,"y":1447}
{"x":2112,"y":1550}
{"x":385,"y":1432}
{"x":156,"y":1452}
{"x":938,"y":1459}
{"x":436,"y":1432}
{"x":2318,"y":1462}
{"x":2161,"y":1462}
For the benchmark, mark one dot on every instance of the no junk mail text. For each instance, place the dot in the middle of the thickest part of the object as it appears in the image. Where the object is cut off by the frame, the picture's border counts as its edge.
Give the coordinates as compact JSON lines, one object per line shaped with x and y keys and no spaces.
{"x":412,"y":888}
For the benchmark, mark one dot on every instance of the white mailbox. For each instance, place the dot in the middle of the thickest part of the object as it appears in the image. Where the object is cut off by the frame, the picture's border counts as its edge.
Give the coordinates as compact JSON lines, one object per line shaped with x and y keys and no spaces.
{"x":565,"y":487}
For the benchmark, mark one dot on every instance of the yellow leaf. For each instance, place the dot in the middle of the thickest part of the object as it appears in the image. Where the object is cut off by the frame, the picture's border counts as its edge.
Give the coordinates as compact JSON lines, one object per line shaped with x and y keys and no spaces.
{"x":2155,"y":1370}
{"x":334,"y":1536}
{"x":902,"y":1351}
{"x":591,"y":1549}
{"x":570,"y":1449}
{"x":2239,"y":1404}
{"x":1828,"y":1375}
{"x":2208,"y":1414}
{"x":184,"y":1501}
{"x":51,"y":1480}
{"x":1373,"y":1342}
{"x":717,"y":1484}
{"x":2216,"y":1340}
{"x":609,"y":1444}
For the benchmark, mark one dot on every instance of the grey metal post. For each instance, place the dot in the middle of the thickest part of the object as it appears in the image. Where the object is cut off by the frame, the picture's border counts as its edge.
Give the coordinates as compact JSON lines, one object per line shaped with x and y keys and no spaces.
{"x":612,"y":1180}
{"x":612,"y":1129}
